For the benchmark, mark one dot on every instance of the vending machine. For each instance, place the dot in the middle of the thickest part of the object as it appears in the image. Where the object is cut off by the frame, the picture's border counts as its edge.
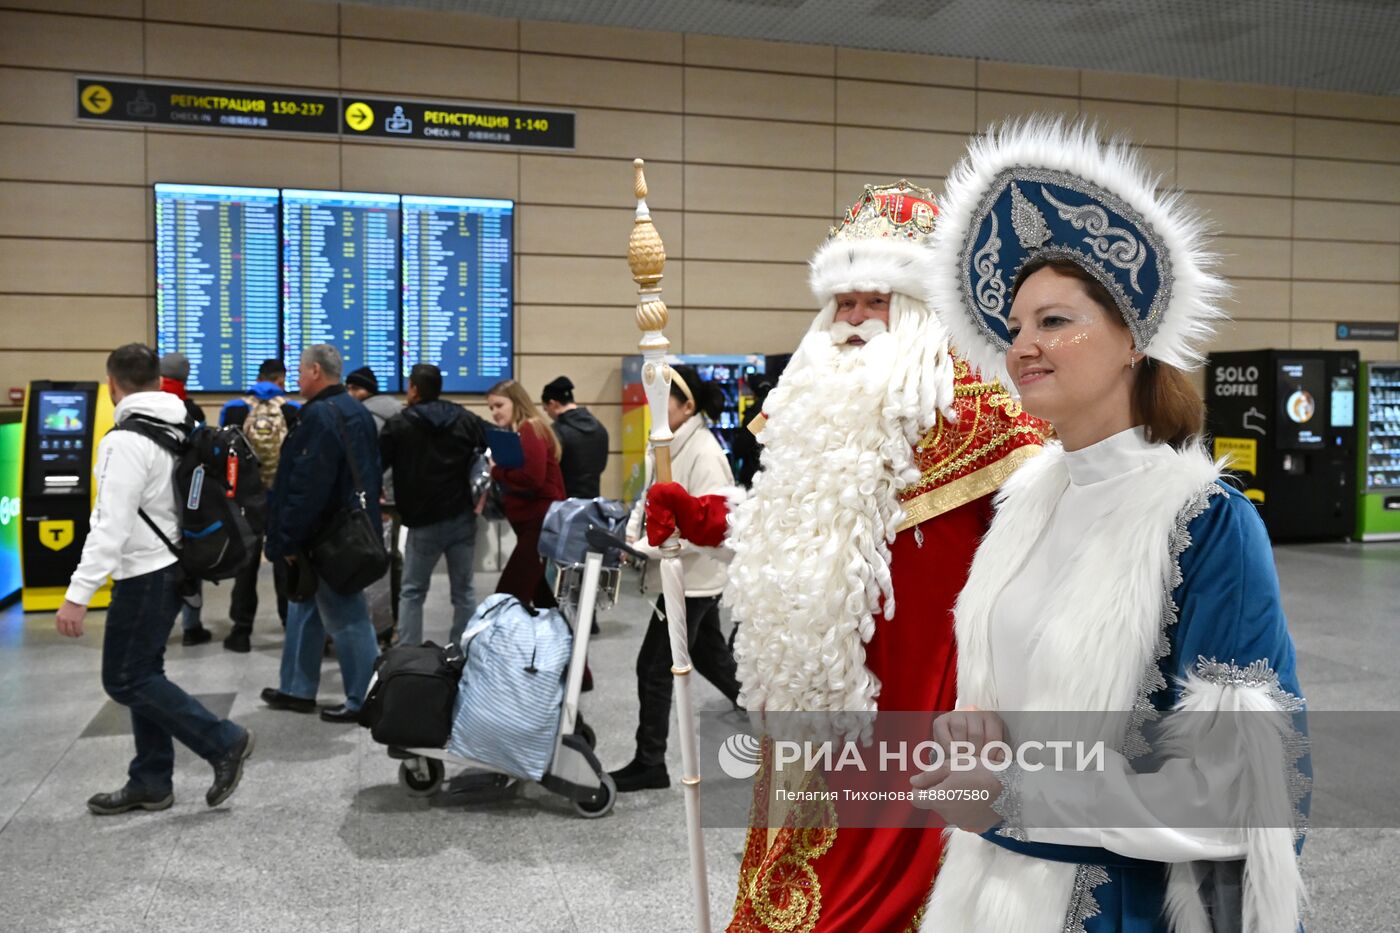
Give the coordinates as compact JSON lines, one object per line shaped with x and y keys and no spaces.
{"x":730,"y":372}
{"x":63,"y":421}
{"x":1378,"y":473}
{"x":1286,"y":422}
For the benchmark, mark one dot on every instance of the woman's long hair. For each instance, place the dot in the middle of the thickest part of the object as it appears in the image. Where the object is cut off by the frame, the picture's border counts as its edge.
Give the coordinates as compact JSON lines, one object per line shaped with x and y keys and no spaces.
{"x":523,"y":411}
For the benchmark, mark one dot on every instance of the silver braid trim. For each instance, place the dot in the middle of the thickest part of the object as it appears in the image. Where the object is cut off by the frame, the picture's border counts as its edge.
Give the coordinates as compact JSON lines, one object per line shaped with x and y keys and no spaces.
{"x":1295,"y":744}
{"x":1083,"y":905}
{"x":1008,"y":804}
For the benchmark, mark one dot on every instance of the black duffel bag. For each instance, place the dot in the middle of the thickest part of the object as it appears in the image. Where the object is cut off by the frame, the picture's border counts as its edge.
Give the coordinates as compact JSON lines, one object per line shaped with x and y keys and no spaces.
{"x":411,"y":696}
{"x":349,"y":553}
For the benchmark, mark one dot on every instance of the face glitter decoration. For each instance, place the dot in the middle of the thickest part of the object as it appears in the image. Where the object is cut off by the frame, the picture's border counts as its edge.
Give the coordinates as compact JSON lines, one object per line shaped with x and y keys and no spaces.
{"x":1066,"y":352}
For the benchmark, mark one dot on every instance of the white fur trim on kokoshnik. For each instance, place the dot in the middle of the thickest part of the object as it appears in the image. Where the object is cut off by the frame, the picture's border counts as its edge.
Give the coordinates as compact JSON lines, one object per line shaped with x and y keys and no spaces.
{"x":1093,"y":203}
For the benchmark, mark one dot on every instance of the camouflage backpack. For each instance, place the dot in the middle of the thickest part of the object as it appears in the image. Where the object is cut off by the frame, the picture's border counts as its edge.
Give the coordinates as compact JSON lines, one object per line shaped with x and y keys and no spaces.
{"x":266,"y":429}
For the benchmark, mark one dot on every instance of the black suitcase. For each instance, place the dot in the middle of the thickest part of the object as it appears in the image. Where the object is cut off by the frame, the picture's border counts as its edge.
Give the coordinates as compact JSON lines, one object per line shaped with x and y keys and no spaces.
{"x":410,"y":699}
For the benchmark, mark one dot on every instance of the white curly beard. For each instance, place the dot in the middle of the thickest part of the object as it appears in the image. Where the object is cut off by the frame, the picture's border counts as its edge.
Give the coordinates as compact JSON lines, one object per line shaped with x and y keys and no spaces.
{"x":811,"y":565}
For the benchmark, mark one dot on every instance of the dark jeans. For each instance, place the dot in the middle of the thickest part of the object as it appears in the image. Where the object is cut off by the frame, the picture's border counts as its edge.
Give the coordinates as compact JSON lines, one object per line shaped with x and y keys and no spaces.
{"x":395,"y":562}
{"x":139,"y":620}
{"x":243,"y":601}
{"x":523,"y":574}
{"x":709,"y":655}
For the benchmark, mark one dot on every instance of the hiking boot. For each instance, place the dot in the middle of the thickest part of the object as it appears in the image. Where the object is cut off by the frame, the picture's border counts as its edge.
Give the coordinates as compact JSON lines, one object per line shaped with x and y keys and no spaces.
{"x":228,"y":770}
{"x":128,"y":798}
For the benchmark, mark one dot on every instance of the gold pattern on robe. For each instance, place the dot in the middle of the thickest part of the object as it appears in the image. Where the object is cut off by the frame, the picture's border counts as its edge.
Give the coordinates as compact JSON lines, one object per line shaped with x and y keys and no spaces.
{"x":963,"y":460}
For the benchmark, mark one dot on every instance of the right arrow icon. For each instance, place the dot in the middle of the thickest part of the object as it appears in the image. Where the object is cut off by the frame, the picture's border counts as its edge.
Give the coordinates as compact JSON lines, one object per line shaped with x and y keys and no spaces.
{"x":359,"y":116}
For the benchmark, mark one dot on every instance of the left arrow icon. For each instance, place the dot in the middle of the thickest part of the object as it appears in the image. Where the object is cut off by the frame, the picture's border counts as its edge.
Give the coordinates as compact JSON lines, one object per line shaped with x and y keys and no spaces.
{"x":96,"y":99}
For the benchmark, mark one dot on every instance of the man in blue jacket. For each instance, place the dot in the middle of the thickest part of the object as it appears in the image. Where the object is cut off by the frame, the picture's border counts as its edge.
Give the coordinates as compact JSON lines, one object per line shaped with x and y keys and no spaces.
{"x":313,"y":483}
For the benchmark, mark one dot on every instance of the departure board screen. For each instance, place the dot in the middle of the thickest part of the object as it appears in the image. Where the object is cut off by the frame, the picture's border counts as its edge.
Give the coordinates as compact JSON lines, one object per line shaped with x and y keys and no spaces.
{"x":458,"y":283}
{"x":340,"y":279}
{"x":216,"y":281}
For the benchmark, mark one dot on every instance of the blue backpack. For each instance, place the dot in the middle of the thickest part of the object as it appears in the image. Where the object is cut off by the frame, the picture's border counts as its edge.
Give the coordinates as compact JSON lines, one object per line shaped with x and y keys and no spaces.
{"x":508,"y":702}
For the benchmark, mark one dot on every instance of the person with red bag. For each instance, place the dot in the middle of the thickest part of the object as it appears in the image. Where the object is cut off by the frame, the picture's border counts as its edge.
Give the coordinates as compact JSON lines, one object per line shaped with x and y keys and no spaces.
{"x":882,"y":450}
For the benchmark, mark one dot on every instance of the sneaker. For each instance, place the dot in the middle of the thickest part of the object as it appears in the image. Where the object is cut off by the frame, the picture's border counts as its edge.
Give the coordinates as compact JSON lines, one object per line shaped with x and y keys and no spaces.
{"x":278,"y":700}
{"x":228,"y":770}
{"x":237,"y":640}
{"x":637,"y":776}
{"x":195,"y":636}
{"x":128,"y":798}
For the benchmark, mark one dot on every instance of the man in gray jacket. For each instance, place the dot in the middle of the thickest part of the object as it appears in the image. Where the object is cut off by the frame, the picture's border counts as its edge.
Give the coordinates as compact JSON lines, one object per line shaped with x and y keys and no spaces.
{"x":363,"y":385}
{"x":135,"y":485}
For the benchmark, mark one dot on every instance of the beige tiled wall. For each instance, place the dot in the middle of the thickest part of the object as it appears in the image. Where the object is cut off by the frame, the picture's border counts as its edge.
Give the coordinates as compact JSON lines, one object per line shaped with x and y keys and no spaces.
{"x":753,"y":149}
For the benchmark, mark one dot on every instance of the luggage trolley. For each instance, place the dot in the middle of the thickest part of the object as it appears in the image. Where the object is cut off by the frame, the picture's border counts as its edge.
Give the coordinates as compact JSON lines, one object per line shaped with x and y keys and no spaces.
{"x":574,"y":770}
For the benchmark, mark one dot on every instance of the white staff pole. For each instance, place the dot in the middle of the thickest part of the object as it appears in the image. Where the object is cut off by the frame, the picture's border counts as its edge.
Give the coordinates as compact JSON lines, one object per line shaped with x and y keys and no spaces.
{"x":647,"y":256}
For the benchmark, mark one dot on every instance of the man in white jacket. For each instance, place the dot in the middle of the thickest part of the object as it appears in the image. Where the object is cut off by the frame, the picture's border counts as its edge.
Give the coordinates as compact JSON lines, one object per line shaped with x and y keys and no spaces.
{"x":135,"y":476}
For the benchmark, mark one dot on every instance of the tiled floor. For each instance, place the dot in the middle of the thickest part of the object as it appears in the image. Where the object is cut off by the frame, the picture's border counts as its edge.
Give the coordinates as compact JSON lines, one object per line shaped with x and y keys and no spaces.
{"x":321,"y":837}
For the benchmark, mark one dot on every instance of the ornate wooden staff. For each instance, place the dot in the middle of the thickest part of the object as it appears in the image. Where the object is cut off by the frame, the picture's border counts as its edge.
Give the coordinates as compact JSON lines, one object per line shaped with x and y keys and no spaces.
{"x":647,"y":256}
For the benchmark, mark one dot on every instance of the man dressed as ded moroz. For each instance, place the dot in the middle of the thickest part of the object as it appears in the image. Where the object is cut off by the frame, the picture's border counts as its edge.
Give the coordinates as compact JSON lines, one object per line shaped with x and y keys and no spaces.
{"x":882,"y":450}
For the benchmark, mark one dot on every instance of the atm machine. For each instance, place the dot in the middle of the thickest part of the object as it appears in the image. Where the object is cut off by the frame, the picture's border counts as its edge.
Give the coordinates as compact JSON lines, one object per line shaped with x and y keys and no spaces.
{"x":1286,"y":422}
{"x":63,"y":421}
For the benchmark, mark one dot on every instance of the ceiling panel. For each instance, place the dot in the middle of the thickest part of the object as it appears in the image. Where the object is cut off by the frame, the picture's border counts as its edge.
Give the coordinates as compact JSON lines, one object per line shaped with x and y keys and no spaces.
{"x":1333,"y":45}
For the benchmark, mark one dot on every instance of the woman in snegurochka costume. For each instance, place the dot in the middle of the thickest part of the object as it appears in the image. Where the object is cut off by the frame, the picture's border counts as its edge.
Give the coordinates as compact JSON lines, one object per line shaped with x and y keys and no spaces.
{"x":1119,"y":573}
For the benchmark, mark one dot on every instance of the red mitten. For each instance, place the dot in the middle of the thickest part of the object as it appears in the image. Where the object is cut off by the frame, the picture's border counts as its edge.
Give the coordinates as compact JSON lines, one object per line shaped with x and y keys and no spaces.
{"x":702,"y":521}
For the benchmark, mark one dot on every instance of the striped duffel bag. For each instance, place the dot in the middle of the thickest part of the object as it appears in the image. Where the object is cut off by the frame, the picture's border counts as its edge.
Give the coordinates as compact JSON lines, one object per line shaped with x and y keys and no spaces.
{"x":507,"y":711}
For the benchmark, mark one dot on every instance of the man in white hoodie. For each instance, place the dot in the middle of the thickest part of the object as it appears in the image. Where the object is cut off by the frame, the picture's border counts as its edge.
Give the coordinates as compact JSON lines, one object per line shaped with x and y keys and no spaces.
{"x":135,"y":490}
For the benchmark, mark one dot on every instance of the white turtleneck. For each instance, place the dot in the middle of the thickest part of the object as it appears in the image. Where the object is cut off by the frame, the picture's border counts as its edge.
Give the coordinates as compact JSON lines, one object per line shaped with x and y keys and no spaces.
{"x":1100,"y":484}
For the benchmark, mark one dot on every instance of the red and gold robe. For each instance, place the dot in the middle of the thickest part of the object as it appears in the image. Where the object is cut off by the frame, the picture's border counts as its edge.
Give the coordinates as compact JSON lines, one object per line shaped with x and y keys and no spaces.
{"x":818,"y":877}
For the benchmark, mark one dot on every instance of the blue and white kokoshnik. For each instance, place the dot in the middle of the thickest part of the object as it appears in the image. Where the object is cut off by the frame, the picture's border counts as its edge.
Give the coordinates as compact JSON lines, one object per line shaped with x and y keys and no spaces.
{"x":1041,"y":189}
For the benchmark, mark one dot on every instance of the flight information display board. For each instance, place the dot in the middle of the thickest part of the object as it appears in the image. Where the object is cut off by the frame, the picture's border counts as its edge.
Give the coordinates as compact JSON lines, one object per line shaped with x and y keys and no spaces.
{"x":340,"y":279}
{"x":458,"y":281}
{"x":216,"y":281}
